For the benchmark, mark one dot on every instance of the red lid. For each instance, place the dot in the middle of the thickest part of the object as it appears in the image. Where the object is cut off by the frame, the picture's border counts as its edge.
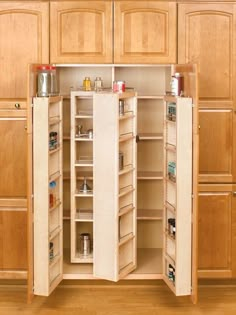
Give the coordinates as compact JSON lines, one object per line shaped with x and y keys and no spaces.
{"x":46,"y":67}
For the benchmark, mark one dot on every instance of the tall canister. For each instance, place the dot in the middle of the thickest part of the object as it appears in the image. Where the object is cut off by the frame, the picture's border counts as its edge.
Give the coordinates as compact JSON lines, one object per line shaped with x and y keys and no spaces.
{"x":47,"y":81}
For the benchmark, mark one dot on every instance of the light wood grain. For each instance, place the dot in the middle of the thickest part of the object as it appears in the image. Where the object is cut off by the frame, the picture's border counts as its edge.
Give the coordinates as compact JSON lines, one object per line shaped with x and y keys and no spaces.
{"x":136,"y":39}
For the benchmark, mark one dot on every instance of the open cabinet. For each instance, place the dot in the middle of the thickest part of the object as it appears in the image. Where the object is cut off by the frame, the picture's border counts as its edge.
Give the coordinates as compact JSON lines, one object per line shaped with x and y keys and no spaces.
{"x":117,"y":194}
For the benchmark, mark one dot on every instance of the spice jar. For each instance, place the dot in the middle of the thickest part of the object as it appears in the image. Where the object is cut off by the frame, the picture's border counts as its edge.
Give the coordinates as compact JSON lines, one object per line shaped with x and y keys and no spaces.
{"x":47,"y":81}
{"x":98,"y":84}
{"x":87,"y":84}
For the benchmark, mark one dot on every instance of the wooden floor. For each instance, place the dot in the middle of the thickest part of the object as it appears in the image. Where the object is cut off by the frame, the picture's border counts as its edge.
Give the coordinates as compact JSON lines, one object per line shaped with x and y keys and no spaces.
{"x":118,"y":299}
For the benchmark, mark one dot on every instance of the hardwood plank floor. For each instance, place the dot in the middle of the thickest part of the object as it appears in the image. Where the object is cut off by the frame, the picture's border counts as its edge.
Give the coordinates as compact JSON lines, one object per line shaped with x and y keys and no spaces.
{"x":118,"y":300}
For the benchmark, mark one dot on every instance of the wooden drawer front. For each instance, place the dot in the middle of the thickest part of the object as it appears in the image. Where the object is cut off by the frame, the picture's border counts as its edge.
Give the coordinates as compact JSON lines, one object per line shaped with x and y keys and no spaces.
{"x":18,"y":106}
{"x":144,"y":32}
{"x":13,"y":161}
{"x":216,"y":145}
{"x":13,"y":240}
{"x":214,"y":230}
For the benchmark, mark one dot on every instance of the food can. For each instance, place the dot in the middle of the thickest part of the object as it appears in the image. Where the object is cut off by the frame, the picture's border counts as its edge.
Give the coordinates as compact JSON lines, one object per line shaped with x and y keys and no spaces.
{"x":119,"y":86}
{"x":121,"y":161}
{"x":177,"y":84}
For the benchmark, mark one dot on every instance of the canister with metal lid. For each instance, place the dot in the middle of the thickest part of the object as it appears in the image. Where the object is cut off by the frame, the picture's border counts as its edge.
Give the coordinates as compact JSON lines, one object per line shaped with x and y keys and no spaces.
{"x":47,"y":81}
{"x":85,"y":244}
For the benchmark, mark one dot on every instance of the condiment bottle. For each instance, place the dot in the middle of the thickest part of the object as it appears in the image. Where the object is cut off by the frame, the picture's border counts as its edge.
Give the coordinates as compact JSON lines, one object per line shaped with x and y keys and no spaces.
{"x":87,"y":84}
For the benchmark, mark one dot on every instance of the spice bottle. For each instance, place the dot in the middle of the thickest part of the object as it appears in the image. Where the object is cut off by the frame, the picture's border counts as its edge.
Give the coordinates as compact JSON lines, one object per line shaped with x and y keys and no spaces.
{"x":98,"y":84}
{"x":87,"y":84}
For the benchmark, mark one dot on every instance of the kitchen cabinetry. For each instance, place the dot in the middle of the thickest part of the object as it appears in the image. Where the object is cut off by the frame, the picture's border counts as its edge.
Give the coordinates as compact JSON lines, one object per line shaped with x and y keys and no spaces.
{"x":81,"y":32}
{"x":47,"y":189}
{"x":144,"y":32}
{"x":207,"y":37}
{"x":23,"y":39}
{"x":84,"y":32}
{"x":135,"y":233}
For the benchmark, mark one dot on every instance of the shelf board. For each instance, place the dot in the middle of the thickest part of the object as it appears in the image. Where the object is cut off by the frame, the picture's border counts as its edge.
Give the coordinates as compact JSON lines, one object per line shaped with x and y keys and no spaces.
{"x":127,"y":169}
{"x":170,"y":147}
{"x":75,"y":271}
{"x":127,"y":115}
{"x":84,"y":116}
{"x":66,"y":137}
{"x":150,"y":136}
{"x":170,"y":207}
{"x":57,"y":204}
{"x":149,"y":214}
{"x":149,"y":175}
{"x":126,"y":190}
{"x":79,"y":175}
{"x":83,"y":259}
{"x":83,"y":139}
{"x":170,"y":98}
{"x":54,"y":176}
{"x":58,"y":148}
{"x":126,"y":239}
{"x":54,"y":233}
{"x":148,"y":97}
{"x":54,"y":120}
{"x":84,"y":163}
{"x":169,"y":236}
{"x":84,"y":215}
{"x":126,"y":209}
{"x":126,"y":137}
{"x":54,"y":260}
{"x":170,"y":260}
{"x":81,"y":194}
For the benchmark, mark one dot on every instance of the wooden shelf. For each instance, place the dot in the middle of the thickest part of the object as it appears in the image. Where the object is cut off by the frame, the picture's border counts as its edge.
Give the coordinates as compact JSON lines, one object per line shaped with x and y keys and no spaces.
{"x":84,"y":215}
{"x":170,"y":147}
{"x":126,"y":190}
{"x":148,"y":175}
{"x":55,"y":176}
{"x":148,"y":97}
{"x":150,"y":136}
{"x":79,"y":258}
{"x":54,"y":120}
{"x":126,"y":137}
{"x":58,"y":148}
{"x":57,"y":204}
{"x":84,"y":195}
{"x":83,"y":139}
{"x":126,"y":169}
{"x":79,"y":175}
{"x":83,"y":163}
{"x":66,"y":214}
{"x":126,"y":239}
{"x":126,"y":209}
{"x":170,"y":207}
{"x":127,"y":115}
{"x":149,"y":214}
{"x":54,"y":232}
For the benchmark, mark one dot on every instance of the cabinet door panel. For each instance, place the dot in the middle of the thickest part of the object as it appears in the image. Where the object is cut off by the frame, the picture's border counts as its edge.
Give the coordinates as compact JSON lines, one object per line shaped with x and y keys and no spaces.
{"x":81,"y":32}
{"x":206,"y":37}
{"x":215,"y":163}
{"x":215,"y":232}
{"x":13,"y":250}
{"x":23,"y":40}
{"x":13,"y":159}
{"x":144,"y":31}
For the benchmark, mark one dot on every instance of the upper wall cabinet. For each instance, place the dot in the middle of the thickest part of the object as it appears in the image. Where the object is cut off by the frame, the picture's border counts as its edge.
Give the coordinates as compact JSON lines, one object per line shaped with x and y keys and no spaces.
{"x":206,"y":36}
{"x":81,"y":31}
{"x":23,"y":40}
{"x":144,"y":32}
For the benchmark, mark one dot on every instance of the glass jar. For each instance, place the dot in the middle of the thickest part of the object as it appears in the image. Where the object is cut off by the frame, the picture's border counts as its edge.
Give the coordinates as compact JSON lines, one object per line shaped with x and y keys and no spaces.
{"x":47,"y":81}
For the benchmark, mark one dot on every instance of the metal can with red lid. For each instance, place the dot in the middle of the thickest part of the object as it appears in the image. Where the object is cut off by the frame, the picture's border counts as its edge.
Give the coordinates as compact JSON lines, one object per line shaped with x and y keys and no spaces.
{"x":119,"y":86}
{"x":177,"y":84}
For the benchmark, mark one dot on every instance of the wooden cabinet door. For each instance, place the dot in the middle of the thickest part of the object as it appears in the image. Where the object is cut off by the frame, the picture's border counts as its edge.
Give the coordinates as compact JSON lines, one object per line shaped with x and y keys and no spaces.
{"x":13,"y":188}
{"x":23,"y":39}
{"x":214,"y":240}
{"x":206,"y":36}
{"x":81,"y":32}
{"x":144,"y":32}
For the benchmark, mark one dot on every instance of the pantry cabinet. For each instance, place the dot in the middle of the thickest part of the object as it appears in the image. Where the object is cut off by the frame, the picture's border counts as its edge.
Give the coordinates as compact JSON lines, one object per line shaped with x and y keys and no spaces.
{"x":206,"y":36}
{"x":116,"y":196}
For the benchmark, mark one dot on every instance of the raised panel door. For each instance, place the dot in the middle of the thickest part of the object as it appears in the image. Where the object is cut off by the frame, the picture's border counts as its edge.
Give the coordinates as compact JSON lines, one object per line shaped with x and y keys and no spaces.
{"x":216,"y":145}
{"x":144,"y":32}
{"x":24,"y":39}
{"x":215,"y":231}
{"x":81,"y":32}
{"x":206,"y":36}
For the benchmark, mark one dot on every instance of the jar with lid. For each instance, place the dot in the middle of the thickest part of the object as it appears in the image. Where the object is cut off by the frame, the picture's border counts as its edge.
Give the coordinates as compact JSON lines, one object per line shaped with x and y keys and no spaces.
{"x":85,"y":244}
{"x":87,"y":84}
{"x":47,"y":84}
{"x":98,"y":84}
